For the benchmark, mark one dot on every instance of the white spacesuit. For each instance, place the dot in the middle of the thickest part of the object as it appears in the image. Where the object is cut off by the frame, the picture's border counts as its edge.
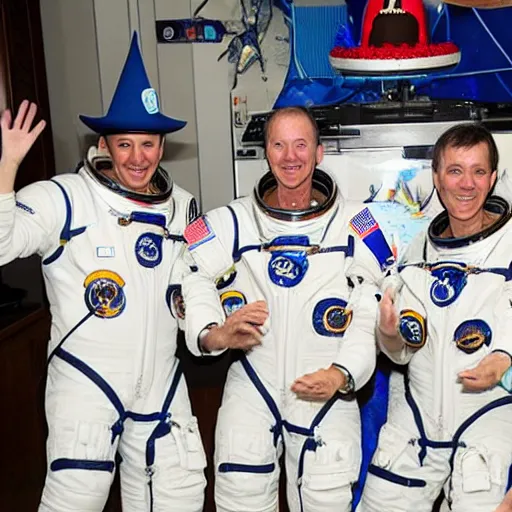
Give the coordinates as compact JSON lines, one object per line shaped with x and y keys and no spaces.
{"x":319,"y":281}
{"x":454,"y":304}
{"x":114,"y":383}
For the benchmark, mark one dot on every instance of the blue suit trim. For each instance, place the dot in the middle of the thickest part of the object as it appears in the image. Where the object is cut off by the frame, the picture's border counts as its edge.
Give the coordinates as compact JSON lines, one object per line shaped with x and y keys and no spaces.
{"x":95,"y":377}
{"x":230,"y":467}
{"x":423,"y":441}
{"x":393,"y":477}
{"x":61,"y":342}
{"x":67,"y":233}
{"x":310,"y":444}
{"x":333,"y":216}
{"x":163,"y":417}
{"x":505,"y":272}
{"x":277,"y":429}
{"x":237,"y":251}
{"x":379,"y":247}
{"x":347,"y":249}
{"x":500,"y":402}
{"x":236,"y":236}
{"x":88,"y":465}
{"x":456,"y":442}
{"x":164,"y":427}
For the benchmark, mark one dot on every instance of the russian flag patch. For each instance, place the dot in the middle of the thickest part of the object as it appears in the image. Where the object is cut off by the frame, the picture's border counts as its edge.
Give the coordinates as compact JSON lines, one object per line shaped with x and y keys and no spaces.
{"x":198,"y":233}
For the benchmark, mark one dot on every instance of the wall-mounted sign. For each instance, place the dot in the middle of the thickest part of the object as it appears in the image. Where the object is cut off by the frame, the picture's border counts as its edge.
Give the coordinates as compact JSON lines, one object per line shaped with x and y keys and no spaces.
{"x":190,"y":30}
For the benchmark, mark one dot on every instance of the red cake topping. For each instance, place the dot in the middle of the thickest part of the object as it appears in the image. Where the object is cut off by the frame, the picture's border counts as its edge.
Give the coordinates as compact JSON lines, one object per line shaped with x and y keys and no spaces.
{"x":389,"y":51}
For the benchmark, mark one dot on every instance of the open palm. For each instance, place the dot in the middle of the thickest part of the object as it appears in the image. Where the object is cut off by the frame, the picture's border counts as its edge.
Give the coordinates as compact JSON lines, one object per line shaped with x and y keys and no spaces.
{"x":18,"y":136}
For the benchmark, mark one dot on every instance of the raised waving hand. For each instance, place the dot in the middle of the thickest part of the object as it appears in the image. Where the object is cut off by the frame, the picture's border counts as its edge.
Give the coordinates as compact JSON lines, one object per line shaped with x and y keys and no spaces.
{"x":18,"y":136}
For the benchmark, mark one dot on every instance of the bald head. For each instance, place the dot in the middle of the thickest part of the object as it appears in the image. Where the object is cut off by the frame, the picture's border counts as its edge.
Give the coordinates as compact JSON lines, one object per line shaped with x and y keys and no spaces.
{"x":281,"y":113}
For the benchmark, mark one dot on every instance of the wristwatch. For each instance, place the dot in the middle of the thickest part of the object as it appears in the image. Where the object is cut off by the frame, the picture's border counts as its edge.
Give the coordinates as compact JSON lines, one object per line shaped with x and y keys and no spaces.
{"x":349,"y":386}
{"x":201,"y":337}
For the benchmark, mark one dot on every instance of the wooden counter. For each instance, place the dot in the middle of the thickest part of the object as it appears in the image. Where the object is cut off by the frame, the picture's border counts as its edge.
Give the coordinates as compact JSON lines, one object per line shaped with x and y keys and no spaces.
{"x":24,"y":334}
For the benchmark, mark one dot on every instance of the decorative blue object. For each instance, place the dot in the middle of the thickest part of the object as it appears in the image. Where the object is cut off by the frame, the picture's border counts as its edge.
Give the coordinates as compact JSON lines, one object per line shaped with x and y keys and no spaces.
{"x":310,"y":79}
{"x":244,"y":49}
{"x":484,"y":73}
{"x":134,"y":107}
{"x":374,"y":411}
{"x":485,"y":70}
{"x":343,"y":37}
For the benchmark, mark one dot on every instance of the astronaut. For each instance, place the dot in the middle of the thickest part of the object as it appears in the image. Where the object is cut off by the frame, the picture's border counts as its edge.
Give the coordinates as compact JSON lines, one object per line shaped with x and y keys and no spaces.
{"x":109,"y":237}
{"x":281,"y":276}
{"x":447,"y":315}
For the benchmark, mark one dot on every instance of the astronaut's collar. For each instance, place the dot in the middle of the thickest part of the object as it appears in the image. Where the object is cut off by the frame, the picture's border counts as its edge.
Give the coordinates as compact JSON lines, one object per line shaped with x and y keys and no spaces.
{"x":96,"y":162}
{"x":322,"y":183}
{"x":494,"y":204}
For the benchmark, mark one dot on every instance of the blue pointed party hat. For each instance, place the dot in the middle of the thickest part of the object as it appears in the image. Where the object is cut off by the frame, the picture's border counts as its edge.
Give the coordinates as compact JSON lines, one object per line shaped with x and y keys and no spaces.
{"x":134,"y":107}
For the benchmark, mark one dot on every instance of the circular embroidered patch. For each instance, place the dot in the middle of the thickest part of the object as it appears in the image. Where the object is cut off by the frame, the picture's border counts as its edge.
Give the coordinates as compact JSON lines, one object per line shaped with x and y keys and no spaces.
{"x":104,"y":295}
{"x":449,"y":281}
{"x":413,"y":328}
{"x":175,"y":302}
{"x":471,"y":335}
{"x":331,"y":317}
{"x":148,"y":250}
{"x":287,"y":268}
{"x":232,"y":301}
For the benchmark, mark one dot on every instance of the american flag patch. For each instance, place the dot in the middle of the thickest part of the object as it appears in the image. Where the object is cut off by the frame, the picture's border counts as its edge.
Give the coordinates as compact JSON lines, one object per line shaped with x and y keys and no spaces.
{"x":198,"y":232}
{"x":364,"y":223}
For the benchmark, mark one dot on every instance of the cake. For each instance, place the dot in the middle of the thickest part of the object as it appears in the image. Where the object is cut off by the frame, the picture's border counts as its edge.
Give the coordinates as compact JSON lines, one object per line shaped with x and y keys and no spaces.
{"x":394,"y":39}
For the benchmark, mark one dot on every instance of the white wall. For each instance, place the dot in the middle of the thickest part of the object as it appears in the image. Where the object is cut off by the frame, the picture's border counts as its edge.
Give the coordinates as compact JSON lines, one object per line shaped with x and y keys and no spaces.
{"x":173,"y":65}
{"x":74,"y":82}
{"x":86,"y":42}
{"x":212,"y":95}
